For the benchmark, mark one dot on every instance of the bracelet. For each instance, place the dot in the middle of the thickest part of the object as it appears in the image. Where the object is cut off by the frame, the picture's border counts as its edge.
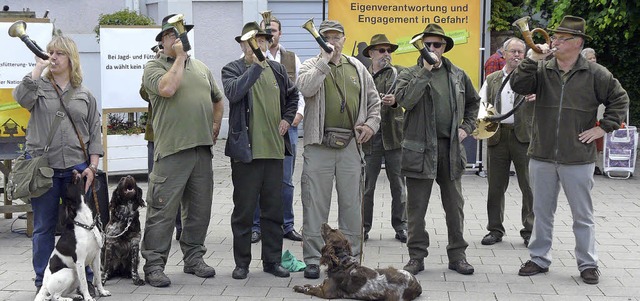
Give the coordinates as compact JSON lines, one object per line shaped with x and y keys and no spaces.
{"x":93,"y":168}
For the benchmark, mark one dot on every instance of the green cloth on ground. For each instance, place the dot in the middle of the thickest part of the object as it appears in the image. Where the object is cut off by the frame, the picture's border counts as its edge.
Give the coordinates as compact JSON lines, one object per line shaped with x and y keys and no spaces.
{"x":291,"y":263}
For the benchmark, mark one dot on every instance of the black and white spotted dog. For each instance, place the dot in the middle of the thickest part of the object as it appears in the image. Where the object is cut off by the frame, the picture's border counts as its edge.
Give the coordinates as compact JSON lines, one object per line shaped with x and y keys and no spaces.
{"x":122,"y":247}
{"x":78,"y":246}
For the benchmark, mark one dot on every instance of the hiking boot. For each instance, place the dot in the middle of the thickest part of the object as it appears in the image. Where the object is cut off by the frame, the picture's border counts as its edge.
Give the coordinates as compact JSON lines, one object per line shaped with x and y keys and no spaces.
{"x":401,"y":235}
{"x":461,"y":266}
{"x":590,"y":276}
{"x":530,"y":268}
{"x":414,"y":266}
{"x":240,"y":272}
{"x":157,"y":278}
{"x":490,"y":239}
{"x":312,"y":271}
{"x":200,"y":269}
{"x":275,"y":269}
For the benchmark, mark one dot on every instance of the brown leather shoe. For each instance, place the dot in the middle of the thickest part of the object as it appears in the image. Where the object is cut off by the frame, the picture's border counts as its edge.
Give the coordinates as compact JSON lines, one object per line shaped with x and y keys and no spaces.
{"x":590,"y":276}
{"x":530,"y":268}
{"x":491,"y":239}
{"x":461,"y":266}
{"x":414,"y":266}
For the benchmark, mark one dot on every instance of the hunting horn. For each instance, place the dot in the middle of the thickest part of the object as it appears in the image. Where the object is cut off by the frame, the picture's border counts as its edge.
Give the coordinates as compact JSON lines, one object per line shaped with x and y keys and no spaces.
{"x":523,"y":26}
{"x":18,"y":30}
{"x":311,"y":28}
{"x":266,"y":19}
{"x":424,"y":51}
{"x":178,"y":22}
{"x":250,"y":37}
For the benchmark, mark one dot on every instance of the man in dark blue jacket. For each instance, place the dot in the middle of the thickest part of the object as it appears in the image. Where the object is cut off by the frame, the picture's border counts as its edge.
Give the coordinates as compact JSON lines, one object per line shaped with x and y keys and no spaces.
{"x":262,"y":105}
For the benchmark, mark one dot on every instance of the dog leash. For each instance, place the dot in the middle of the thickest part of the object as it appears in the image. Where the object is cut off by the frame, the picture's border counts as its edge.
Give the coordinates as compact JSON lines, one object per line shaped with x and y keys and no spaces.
{"x":122,"y":233}
{"x":84,"y":151}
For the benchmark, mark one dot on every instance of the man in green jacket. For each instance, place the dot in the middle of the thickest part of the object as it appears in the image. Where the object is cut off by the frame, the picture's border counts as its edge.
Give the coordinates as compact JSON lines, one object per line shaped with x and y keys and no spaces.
{"x":508,"y":144}
{"x":568,"y":91}
{"x":386,"y":142}
{"x":441,"y":108}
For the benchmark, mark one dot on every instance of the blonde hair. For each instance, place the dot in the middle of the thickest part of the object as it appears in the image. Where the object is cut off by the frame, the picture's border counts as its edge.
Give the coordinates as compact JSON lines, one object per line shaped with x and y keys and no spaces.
{"x":68,"y":46}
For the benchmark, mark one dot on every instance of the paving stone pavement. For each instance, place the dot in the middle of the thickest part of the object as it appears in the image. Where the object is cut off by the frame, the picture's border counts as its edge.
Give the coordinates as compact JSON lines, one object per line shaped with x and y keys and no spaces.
{"x":617,"y":209}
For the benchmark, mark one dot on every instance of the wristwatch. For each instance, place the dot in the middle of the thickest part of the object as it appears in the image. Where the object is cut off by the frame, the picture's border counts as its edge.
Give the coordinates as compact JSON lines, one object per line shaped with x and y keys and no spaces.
{"x":93,"y":168}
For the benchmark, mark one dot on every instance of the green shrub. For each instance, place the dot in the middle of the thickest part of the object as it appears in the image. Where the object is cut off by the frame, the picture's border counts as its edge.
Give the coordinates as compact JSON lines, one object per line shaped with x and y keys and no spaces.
{"x":122,"y":17}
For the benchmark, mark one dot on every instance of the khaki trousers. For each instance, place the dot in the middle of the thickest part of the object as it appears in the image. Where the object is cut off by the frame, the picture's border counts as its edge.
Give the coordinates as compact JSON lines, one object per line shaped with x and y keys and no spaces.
{"x":323,"y":165}
{"x":182,"y":179}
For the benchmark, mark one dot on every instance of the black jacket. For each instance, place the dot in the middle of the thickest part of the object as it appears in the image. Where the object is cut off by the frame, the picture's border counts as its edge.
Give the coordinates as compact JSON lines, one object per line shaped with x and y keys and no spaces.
{"x":237,"y":81}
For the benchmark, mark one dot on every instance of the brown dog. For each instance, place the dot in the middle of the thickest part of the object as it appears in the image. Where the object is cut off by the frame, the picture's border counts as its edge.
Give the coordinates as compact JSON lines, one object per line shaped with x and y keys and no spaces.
{"x":346,"y":278}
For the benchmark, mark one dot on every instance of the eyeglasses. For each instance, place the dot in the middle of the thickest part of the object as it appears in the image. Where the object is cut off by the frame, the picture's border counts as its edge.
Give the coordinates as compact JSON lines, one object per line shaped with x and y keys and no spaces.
{"x":436,"y":45}
{"x":383,"y":50}
{"x":554,"y":38}
{"x":516,"y":51}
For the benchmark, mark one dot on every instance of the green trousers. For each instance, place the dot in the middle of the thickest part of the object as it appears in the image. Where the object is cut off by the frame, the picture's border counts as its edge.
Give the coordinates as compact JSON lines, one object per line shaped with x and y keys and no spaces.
{"x":418,"y":195}
{"x":182,"y":179}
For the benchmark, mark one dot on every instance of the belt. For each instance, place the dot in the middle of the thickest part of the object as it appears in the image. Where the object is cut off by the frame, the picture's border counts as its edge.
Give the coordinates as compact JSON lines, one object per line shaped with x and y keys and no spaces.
{"x":507,"y":126}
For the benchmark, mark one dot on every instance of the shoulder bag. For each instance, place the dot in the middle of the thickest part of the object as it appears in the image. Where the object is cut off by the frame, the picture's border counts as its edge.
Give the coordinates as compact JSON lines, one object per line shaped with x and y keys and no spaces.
{"x":31,"y":177}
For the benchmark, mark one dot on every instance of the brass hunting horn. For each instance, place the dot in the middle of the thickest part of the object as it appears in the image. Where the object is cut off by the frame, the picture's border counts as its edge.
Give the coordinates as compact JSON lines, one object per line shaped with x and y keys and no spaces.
{"x":18,"y":30}
{"x":250,"y":38}
{"x":311,"y":28}
{"x":523,"y":26}
{"x":266,"y":19}
{"x":178,"y":22}
{"x":488,"y":125}
{"x":424,"y":51}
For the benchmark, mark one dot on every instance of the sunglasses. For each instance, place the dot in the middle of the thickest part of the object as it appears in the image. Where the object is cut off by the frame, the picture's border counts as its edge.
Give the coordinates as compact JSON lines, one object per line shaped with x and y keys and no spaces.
{"x":383,"y":50}
{"x":436,"y":45}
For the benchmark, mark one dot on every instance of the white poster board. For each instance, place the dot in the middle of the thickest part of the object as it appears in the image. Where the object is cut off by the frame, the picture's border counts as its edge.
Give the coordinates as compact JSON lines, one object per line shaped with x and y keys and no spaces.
{"x":16,"y":59}
{"x":123,"y":53}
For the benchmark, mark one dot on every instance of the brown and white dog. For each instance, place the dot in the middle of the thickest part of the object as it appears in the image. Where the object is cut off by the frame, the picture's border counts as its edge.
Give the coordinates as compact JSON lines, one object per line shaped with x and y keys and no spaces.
{"x":78,"y":246}
{"x":346,"y":278}
{"x":123,"y":233}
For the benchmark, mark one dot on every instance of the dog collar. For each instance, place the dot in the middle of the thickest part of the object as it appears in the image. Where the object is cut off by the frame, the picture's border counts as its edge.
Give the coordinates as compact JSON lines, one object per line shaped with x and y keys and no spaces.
{"x":95,"y":220}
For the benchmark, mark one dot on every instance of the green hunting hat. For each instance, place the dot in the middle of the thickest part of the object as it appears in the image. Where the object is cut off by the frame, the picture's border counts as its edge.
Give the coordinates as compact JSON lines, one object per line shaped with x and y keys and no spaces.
{"x":327,"y":25}
{"x":252,"y":26}
{"x":379,"y":39}
{"x":436,"y":30}
{"x":572,"y":25}
{"x":166,"y":26}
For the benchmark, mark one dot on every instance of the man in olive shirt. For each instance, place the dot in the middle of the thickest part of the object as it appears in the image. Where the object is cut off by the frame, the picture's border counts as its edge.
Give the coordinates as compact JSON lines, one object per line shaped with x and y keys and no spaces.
{"x":187,"y":112}
{"x":340,"y":96}
{"x":386,"y":142}
{"x":262,"y":105}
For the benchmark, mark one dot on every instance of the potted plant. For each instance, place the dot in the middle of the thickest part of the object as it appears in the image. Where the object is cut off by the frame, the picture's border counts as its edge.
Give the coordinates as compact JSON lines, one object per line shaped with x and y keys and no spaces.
{"x":126,"y":147}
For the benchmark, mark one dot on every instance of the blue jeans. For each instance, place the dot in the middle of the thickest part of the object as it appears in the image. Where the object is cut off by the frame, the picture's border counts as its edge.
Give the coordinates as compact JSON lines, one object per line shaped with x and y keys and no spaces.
{"x":287,"y":187}
{"x":45,"y":218}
